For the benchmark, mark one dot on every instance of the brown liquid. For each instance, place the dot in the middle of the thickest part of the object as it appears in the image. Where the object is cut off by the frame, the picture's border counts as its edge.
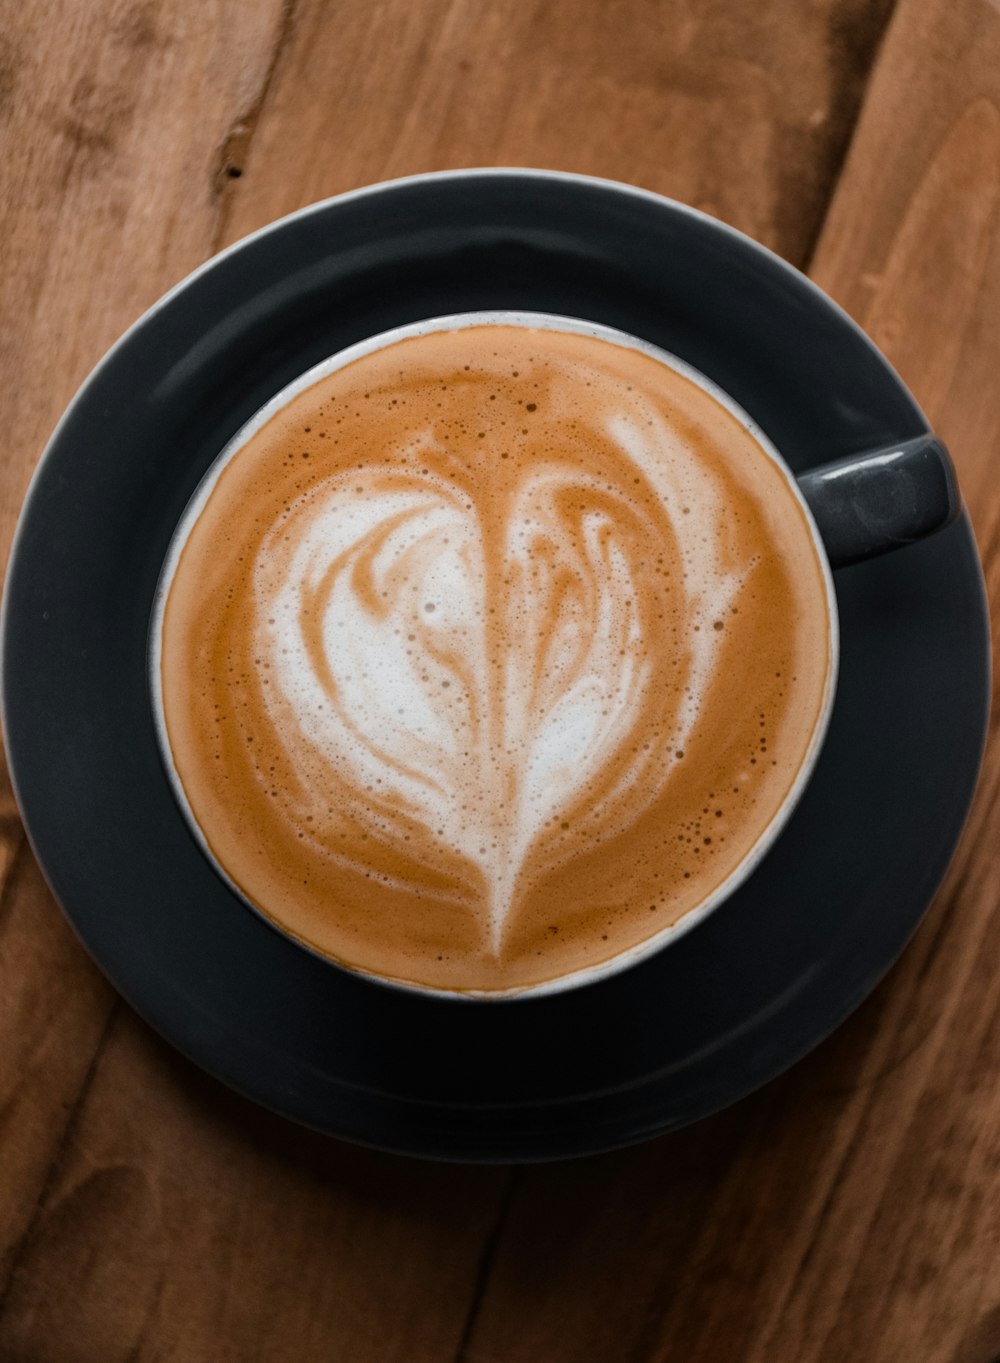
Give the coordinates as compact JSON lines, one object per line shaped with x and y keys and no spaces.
{"x":491,"y":655}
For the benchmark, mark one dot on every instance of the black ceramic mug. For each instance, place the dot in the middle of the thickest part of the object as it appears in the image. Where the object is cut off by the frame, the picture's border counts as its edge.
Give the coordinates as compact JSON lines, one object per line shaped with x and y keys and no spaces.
{"x":867,"y":504}
{"x":857,"y":507}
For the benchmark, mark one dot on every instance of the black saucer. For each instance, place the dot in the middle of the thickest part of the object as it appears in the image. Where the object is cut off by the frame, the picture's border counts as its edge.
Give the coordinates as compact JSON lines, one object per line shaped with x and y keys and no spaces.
{"x":678,"y":1036}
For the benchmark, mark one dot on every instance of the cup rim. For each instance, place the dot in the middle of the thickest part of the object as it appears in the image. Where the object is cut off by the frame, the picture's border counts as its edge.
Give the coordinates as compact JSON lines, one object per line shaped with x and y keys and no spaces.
{"x":666,"y":936}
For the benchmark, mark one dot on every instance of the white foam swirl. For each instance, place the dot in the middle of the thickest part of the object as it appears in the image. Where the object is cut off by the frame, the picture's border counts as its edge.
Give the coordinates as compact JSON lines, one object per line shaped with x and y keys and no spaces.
{"x":454,"y":705}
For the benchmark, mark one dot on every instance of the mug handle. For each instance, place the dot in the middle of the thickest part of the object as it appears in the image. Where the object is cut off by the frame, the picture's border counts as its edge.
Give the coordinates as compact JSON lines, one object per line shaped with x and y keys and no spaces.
{"x":867,"y":504}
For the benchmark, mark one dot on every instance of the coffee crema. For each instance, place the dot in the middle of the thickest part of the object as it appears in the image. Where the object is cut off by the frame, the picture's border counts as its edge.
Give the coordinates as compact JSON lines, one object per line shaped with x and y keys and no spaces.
{"x":491,"y":655}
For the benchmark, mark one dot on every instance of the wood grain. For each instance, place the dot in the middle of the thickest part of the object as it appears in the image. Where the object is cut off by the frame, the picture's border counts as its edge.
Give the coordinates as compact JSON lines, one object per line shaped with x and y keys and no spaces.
{"x":186,"y":1225}
{"x":110,"y":120}
{"x":851,"y":1210}
{"x":742,"y":110}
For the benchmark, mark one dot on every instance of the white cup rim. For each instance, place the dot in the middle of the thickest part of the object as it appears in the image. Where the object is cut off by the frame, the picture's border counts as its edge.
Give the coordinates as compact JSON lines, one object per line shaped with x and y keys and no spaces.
{"x":666,"y":936}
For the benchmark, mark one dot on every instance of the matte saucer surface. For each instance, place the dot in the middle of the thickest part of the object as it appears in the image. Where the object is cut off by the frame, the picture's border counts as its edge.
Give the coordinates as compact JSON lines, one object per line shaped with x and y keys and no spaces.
{"x":686,"y":1032}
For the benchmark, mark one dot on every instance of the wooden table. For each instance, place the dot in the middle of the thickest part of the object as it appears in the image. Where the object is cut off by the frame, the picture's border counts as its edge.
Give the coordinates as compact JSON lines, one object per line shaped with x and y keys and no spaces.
{"x":848,"y":1211}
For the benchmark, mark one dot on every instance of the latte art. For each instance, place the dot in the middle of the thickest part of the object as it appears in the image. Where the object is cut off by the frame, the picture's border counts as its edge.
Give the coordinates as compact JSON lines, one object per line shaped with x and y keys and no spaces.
{"x":450,"y":656}
{"x":478,"y":678}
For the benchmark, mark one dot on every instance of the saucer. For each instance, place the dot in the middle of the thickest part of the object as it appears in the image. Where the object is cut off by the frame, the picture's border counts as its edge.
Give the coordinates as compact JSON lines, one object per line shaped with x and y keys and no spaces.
{"x":683,"y":1033}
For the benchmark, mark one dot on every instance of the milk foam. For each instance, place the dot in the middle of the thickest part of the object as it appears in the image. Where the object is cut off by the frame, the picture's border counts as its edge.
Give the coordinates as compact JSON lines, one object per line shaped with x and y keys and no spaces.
{"x":387,"y":682}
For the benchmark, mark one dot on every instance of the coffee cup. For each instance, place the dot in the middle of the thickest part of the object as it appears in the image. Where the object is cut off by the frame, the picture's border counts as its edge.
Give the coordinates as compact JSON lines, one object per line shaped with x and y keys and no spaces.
{"x":527,"y":693}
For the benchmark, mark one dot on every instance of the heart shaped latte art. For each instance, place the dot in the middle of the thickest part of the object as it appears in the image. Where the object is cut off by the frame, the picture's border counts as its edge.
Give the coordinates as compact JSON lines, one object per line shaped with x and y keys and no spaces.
{"x":472,"y":676}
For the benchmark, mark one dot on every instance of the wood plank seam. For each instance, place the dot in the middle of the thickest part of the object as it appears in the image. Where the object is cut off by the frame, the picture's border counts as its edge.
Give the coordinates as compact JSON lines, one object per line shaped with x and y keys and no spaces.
{"x":19,"y":845}
{"x":844,"y":1165}
{"x":878,"y":42}
{"x":60,"y":1150}
{"x":134,"y":1354}
{"x":491,"y":1247}
{"x":961,"y":869}
{"x":234,"y":151}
